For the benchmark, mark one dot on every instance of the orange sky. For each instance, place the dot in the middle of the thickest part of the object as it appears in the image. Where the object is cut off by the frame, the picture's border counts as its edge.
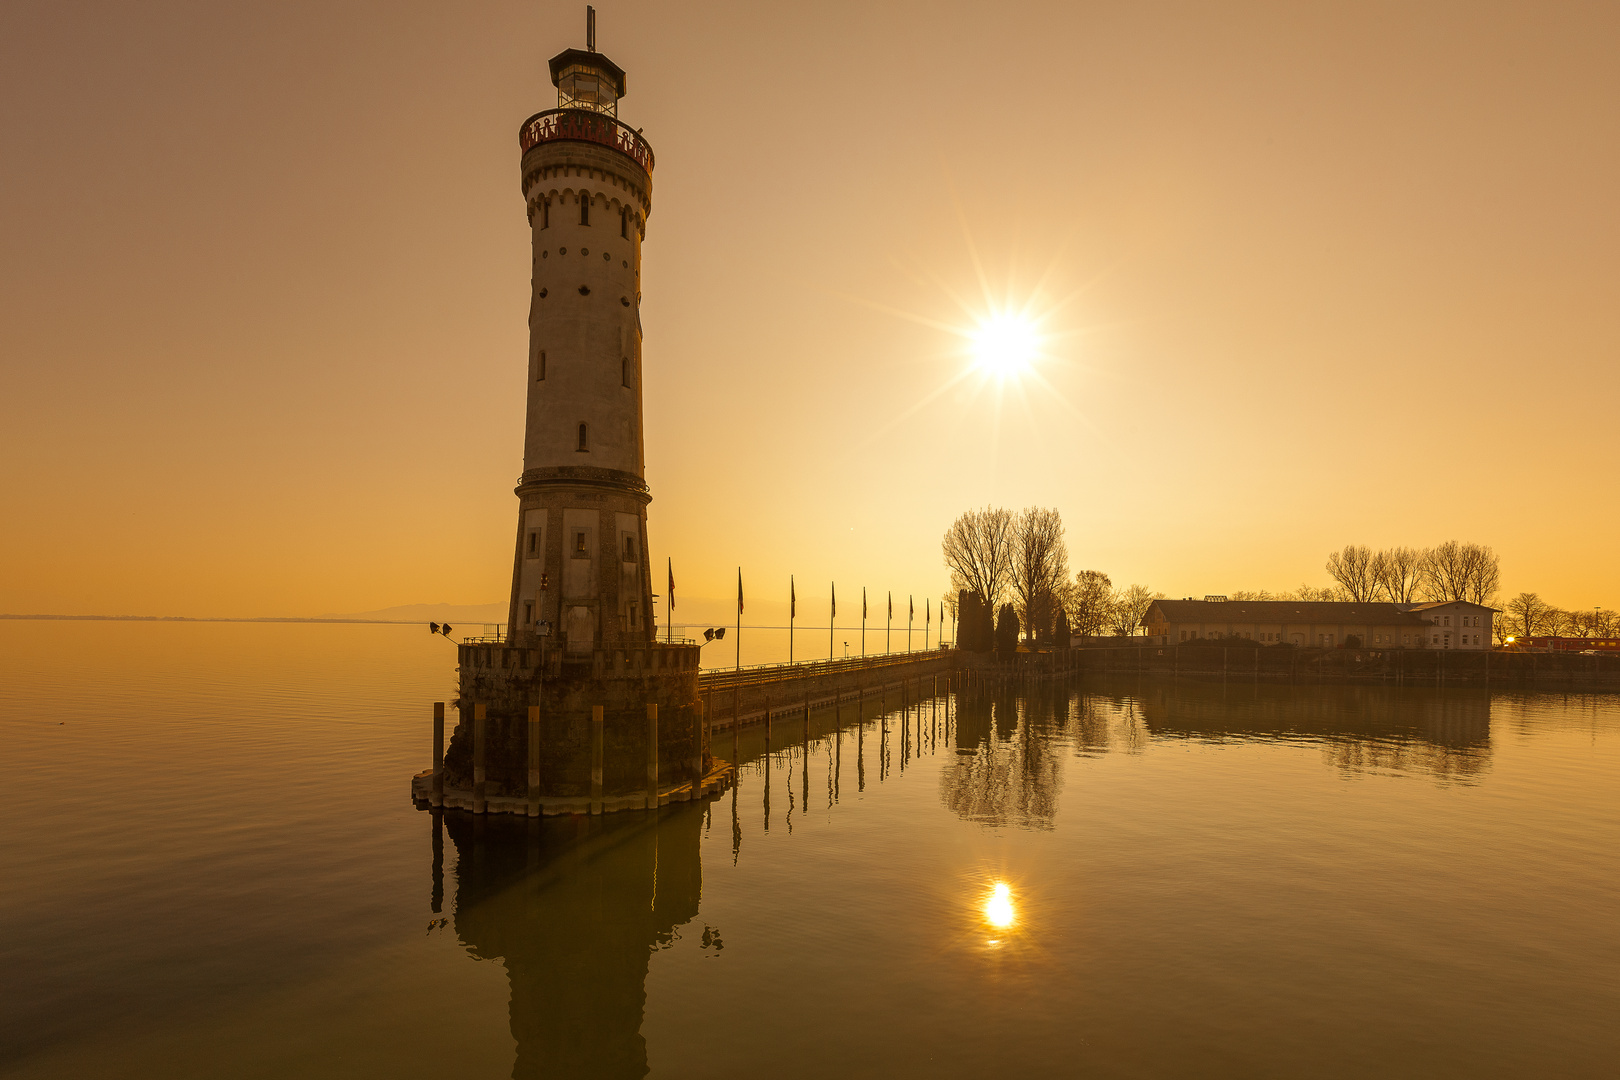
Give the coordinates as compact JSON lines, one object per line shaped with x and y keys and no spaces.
{"x":1334,"y":273}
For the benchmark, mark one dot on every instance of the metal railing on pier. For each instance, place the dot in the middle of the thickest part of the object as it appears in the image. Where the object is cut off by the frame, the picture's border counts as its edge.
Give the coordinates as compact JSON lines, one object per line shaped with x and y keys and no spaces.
{"x":764,"y":674}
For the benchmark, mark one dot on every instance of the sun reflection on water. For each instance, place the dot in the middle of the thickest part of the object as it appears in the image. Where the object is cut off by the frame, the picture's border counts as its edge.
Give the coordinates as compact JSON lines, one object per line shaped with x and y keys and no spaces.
{"x":998,"y":910}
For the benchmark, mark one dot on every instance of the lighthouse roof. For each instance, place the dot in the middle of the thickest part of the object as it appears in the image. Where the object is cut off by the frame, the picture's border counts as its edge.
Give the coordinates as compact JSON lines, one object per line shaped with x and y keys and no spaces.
{"x":584,"y":57}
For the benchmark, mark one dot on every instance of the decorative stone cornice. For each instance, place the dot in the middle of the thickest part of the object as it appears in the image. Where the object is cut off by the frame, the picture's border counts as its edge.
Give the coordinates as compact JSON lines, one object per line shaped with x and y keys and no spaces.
{"x":588,"y":475}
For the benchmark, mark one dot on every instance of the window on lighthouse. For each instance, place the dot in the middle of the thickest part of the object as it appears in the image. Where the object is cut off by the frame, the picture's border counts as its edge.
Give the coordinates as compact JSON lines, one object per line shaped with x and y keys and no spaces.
{"x":624,"y":371}
{"x":624,"y":224}
{"x":584,"y":439}
{"x":584,"y":209}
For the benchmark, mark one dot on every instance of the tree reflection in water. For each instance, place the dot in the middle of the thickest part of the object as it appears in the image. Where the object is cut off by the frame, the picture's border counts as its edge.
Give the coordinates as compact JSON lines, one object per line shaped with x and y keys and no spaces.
{"x":574,"y":907}
{"x":1005,"y":770}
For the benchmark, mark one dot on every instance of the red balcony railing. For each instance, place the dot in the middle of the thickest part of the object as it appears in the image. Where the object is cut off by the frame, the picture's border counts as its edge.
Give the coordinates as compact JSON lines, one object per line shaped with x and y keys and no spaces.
{"x":577,"y":125}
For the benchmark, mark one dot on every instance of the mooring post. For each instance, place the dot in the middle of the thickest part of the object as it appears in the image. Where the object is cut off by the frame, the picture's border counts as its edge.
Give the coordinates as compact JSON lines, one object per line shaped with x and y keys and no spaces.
{"x":652,"y":756}
{"x":479,"y":805}
{"x":534,"y":761}
{"x":437,"y":798}
{"x":596,"y":759}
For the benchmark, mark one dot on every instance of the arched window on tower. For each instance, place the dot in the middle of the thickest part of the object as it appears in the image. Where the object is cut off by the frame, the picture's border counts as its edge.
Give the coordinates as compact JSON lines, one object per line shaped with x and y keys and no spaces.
{"x":540,"y":367}
{"x":584,"y":439}
{"x":624,"y":222}
{"x":545,"y":213}
{"x":584,"y":208}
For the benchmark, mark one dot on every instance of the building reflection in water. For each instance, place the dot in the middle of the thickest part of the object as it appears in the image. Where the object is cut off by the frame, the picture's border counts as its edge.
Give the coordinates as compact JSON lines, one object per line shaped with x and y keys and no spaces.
{"x":1445,"y":733}
{"x":1006,"y":771}
{"x":574,"y":907}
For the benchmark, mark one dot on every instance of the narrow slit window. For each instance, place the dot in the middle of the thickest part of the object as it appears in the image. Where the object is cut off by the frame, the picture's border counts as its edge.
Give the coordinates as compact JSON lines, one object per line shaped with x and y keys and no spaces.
{"x":528,"y":611}
{"x":624,"y":371}
{"x":624,"y":224}
{"x":540,"y":368}
{"x":584,"y":209}
{"x":629,"y":549}
{"x":579,"y":543}
{"x":545,"y":213}
{"x":584,"y":438}
{"x":534,"y":543}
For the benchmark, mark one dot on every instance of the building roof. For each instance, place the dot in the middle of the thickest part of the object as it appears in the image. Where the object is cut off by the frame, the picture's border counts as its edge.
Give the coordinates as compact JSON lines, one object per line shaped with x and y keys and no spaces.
{"x":1446,"y":603}
{"x":1286,"y":611}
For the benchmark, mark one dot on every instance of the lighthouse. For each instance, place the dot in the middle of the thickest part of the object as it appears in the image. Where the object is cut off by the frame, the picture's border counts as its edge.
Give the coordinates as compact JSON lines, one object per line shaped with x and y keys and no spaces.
{"x":579,"y":707}
{"x":580,"y":576}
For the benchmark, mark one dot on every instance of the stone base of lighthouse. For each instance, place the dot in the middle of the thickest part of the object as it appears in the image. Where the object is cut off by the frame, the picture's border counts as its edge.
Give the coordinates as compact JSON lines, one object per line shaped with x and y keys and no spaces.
{"x":568,"y":687}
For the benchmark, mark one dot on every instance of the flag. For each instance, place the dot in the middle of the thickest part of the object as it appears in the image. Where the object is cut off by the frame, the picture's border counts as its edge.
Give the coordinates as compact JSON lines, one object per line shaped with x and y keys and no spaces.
{"x":911,"y":608}
{"x":739,"y":591}
{"x":793,"y":598}
{"x":835,"y":600}
{"x":891,"y":605}
{"x":928,"y":619}
{"x":672,"y":584}
{"x":863,"y":603}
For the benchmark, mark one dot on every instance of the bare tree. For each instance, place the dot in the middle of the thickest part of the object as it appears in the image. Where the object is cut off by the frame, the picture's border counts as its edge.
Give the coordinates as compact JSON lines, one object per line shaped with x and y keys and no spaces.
{"x":1128,"y":606}
{"x":1040,"y":568}
{"x":978,"y":550}
{"x":1398,"y":571}
{"x":1090,"y":599}
{"x":1352,"y":568}
{"x":1313,"y":593}
{"x":1458,"y":571}
{"x":1527,"y":615}
{"x":1253,"y":594}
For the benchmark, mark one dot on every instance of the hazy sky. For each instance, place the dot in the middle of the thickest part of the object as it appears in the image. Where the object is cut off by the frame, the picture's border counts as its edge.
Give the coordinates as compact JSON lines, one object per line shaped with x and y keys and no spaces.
{"x":1310,"y":274}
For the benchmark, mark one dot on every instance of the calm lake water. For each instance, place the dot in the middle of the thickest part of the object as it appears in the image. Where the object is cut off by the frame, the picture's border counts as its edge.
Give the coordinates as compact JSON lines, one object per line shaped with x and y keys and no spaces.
{"x":212,"y":868}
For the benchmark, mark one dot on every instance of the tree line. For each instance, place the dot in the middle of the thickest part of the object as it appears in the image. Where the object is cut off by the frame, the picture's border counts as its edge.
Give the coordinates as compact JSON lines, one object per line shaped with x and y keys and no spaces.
{"x":1009,"y":575}
{"x":1528,"y":615}
{"x":1402,"y":575}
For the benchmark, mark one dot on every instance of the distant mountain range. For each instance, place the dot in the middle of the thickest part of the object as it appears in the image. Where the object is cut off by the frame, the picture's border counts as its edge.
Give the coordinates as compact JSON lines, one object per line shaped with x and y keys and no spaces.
{"x":450,"y":613}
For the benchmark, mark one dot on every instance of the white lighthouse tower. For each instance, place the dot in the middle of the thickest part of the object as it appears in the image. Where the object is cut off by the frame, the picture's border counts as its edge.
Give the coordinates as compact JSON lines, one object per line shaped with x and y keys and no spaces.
{"x":580,"y":577}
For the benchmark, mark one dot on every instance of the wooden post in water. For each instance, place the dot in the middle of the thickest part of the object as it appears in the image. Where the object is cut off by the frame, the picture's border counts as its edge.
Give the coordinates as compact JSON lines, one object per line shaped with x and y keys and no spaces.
{"x":534,"y":761}
{"x":437,"y":796}
{"x":596,"y":759}
{"x":652,"y":756}
{"x":479,"y":805}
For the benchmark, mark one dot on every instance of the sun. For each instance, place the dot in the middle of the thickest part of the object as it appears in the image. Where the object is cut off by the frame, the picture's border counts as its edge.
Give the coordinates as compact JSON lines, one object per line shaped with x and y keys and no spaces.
{"x":1005,"y":345}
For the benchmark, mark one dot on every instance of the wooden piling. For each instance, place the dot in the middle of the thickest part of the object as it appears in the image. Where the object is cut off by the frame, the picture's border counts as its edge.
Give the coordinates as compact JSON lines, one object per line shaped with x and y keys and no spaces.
{"x":479,"y":803}
{"x":652,"y":756}
{"x":534,"y":761}
{"x":596,"y":759}
{"x":437,"y":798}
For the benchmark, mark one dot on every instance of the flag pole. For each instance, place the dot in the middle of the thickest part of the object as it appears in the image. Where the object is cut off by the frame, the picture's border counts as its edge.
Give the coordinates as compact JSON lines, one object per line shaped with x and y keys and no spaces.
{"x":863,"y":620}
{"x":928,"y":619}
{"x":832,"y":620}
{"x":793,"y":609}
{"x":888,"y":626}
{"x":911,"y":617}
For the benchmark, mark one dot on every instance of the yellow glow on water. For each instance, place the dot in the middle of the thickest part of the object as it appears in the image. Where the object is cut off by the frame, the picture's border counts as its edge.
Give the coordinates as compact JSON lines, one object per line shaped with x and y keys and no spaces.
{"x":1005,"y":345}
{"x":998,"y":910}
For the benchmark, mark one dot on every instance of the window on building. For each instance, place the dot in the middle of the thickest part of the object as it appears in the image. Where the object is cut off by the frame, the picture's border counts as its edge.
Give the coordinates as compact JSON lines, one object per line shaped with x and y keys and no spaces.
{"x":528,"y":611}
{"x":579,"y":543}
{"x":534,"y":543}
{"x":584,"y":438}
{"x":545,"y":213}
{"x":584,"y":209}
{"x":635,"y":615}
{"x":629,"y":549}
{"x":624,"y":222}
{"x":540,"y":367}
{"x":624,"y":370}
{"x":1448,"y":620}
